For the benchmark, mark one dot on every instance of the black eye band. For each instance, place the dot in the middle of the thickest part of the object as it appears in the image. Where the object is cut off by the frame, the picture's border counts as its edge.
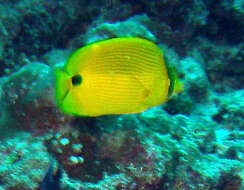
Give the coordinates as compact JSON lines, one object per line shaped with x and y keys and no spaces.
{"x":76,"y":80}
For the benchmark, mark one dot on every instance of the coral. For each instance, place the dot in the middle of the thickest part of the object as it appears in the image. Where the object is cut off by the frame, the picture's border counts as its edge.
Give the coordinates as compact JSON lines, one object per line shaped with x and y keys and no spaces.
{"x":230,"y":110}
{"x":24,"y":161}
{"x":176,"y":22}
{"x":29,"y":100}
{"x":131,"y":27}
{"x":181,"y":104}
{"x":78,"y":153}
{"x":67,"y":148}
{"x":229,"y":181}
{"x":223,"y":64}
{"x":116,"y":181}
{"x":174,"y":137}
{"x":31,"y":28}
{"x":113,"y":146}
{"x":238,"y":6}
{"x":195,"y":79}
{"x":225,"y":22}
{"x":55,"y":56}
{"x":196,"y":87}
{"x":135,"y":160}
{"x":52,"y":178}
{"x":194,"y":141}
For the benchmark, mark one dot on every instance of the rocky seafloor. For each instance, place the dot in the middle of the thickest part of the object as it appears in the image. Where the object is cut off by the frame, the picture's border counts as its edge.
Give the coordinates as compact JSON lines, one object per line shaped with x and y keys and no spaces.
{"x":193,"y":142}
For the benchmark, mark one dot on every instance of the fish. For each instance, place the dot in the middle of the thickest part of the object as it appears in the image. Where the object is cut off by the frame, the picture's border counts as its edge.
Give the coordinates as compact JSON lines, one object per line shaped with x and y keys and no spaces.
{"x":51,"y":180}
{"x":123,"y":75}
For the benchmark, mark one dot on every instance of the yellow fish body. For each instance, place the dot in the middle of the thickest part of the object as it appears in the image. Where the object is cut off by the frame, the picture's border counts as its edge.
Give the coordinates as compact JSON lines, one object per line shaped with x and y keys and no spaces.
{"x":115,"y":76}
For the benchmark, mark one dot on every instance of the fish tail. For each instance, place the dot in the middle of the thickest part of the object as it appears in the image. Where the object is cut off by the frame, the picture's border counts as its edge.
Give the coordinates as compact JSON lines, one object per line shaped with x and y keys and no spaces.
{"x":178,"y":87}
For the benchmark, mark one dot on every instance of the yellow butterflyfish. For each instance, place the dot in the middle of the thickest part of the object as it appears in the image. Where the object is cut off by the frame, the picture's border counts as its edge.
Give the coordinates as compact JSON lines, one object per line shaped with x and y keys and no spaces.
{"x":115,"y":76}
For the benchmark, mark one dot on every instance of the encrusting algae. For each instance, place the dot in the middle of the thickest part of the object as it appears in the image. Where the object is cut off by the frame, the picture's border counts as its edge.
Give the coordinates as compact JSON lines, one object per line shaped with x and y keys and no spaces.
{"x":115,"y":76}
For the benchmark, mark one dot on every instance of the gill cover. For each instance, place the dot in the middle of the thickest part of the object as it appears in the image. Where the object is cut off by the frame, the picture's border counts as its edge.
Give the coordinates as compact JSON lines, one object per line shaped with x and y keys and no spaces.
{"x":62,"y":84}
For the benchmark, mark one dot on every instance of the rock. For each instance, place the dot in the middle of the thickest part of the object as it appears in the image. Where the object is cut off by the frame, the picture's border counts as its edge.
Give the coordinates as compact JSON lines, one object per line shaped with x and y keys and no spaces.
{"x":230,"y":109}
{"x":131,"y":27}
{"x":24,"y":161}
{"x":28,"y":99}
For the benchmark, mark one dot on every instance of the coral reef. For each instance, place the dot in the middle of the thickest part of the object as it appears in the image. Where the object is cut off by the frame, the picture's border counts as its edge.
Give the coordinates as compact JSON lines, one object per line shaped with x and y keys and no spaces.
{"x":22,"y":159}
{"x":238,"y":6}
{"x":223,"y":64}
{"x":195,"y":141}
{"x":230,"y":111}
{"x":28,"y":27}
{"x":131,"y":27}
{"x":27,"y":99}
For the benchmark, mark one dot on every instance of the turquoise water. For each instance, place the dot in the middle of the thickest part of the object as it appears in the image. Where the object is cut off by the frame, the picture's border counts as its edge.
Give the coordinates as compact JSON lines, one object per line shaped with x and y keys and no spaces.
{"x":195,"y":141}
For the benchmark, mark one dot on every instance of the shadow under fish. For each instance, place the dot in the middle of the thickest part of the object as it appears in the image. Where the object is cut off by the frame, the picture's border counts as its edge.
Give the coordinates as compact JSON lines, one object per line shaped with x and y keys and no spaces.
{"x":52,"y":179}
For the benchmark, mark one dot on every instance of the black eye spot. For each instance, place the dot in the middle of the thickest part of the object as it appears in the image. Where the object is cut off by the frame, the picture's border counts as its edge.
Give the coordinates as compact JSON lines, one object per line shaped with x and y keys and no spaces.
{"x":76,"y":80}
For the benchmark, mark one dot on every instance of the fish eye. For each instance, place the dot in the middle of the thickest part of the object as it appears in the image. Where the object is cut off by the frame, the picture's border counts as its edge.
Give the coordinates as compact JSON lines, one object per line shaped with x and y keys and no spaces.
{"x":76,"y":80}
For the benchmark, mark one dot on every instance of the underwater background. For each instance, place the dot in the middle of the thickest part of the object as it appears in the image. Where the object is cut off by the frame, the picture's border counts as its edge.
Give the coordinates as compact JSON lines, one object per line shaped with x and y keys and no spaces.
{"x":195,"y":141}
